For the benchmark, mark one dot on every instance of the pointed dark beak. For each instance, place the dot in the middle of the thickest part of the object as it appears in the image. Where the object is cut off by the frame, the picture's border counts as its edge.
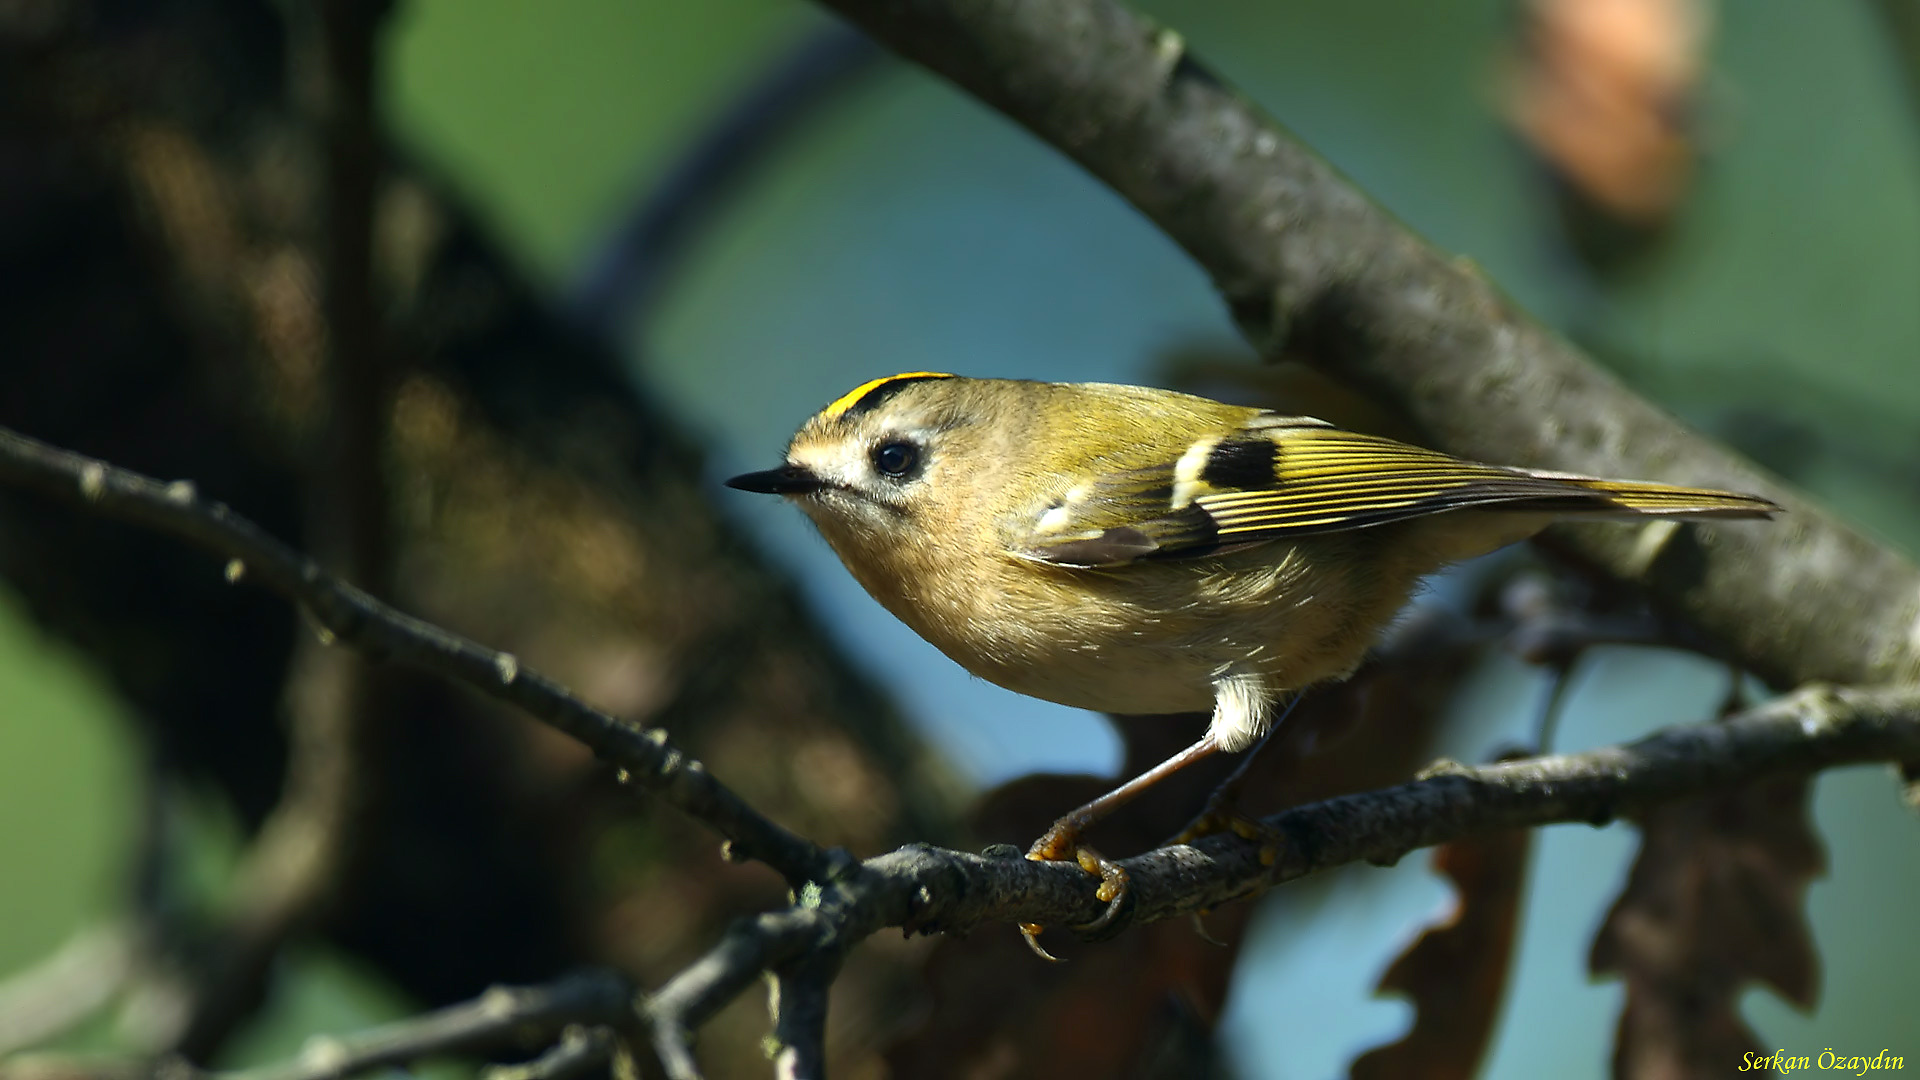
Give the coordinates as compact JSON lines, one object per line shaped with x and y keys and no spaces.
{"x":785,"y":480}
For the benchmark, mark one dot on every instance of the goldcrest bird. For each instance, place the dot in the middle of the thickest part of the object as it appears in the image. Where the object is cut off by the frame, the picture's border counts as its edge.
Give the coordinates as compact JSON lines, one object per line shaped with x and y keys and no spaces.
{"x":1133,"y":550}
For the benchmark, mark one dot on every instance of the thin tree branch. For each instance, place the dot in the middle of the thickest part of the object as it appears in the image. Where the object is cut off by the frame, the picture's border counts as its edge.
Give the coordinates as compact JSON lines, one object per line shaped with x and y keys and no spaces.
{"x":580,"y":1051}
{"x":704,"y":987}
{"x":644,"y":756}
{"x":1307,"y":262}
{"x":502,"y":1018}
{"x":800,"y":1016}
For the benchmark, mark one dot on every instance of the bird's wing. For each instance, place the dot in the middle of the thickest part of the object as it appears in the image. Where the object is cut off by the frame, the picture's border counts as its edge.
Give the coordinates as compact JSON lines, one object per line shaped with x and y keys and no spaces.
{"x":1282,"y":477}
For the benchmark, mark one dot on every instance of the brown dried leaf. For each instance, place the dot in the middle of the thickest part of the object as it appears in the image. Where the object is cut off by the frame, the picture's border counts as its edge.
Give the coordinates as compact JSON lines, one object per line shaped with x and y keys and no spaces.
{"x":1716,"y":899}
{"x":1602,"y":90}
{"x":1146,"y":1002}
{"x":1456,"y":972}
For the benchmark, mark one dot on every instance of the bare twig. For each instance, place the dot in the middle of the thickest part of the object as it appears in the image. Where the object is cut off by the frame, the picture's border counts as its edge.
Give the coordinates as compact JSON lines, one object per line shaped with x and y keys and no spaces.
{"x":799,"y":1009}
{"x":579,"y":1051}
{"x":502,"y":1018}
{"x":1304,"y":259}
{"x":644,"y":756}
{"x":748,"y":948}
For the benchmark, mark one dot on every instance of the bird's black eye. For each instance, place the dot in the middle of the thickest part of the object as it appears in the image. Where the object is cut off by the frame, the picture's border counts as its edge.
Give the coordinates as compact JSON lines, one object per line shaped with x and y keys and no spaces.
{"x":895,"y":457}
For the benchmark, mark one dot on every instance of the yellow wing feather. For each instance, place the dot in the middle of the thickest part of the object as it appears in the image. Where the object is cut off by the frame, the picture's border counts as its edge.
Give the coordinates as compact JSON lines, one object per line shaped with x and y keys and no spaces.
{"x":1326,"y":479}
{"x":1275,"y":480}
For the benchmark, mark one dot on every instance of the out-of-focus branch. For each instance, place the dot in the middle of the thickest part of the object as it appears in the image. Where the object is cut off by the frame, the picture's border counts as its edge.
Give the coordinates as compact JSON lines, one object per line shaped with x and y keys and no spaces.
{"x":580,"y":1051}
{"x":1307,"y":262}
{"x":800,"y":1016}
{"x":504,"y":1018}
{"x":626,"y":272}
{"x":500,"y":1019}
{"x":1902,"y":20}
{"x":305,"y":853}
{"x":350,"y":515}
{"x":645,"y":757}
{"x":73,"y":983}
{"x":749,"y":947}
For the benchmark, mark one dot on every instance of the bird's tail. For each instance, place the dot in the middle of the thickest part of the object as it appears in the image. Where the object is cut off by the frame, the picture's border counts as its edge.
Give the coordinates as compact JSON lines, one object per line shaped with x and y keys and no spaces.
{"x":1634,"y":498}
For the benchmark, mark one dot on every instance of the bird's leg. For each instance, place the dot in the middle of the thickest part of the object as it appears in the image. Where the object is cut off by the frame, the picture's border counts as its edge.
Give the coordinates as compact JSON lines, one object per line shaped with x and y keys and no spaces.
{"x":1222,"y":812}
{"x":1061,"y":843}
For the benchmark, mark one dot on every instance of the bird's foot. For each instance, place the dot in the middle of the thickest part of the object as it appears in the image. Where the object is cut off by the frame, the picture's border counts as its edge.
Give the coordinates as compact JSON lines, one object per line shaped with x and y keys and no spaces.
{"x":1223,"y":815}
{"x":1062,"y":844}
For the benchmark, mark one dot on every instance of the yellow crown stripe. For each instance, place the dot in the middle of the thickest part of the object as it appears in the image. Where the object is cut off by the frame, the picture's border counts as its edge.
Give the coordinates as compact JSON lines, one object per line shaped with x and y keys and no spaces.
{"x":852,"y":397}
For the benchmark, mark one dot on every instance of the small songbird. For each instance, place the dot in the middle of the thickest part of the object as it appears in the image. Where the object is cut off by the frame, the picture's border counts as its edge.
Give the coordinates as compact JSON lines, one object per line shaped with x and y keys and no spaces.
{"x":1133,"y":550}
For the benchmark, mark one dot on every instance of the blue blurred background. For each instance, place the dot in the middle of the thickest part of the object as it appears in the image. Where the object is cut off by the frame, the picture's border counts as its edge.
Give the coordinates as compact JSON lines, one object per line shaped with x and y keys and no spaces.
{"x":905,"y":227}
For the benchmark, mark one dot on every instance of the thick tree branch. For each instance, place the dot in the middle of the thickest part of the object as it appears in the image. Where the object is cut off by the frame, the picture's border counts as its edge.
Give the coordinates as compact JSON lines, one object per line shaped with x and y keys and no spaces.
{"x":644,"y":756}
{"x":1307,"y":261}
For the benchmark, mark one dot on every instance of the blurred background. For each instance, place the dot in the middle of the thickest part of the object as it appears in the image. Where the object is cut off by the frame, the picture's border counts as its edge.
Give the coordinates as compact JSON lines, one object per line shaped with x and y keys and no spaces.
{"x":620,"y":250}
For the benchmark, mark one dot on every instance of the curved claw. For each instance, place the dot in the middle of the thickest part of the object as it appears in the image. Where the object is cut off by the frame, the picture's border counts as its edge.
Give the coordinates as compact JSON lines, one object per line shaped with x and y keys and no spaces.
{"x":1030,"y":933}
{"x":1115,"y":888}
{"x":1062,"y":844}
{"x":1200,"y":928}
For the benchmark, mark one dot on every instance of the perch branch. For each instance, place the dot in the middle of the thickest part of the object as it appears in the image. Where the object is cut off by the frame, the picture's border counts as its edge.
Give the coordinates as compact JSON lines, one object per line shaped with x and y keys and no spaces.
{"x":926,"y":889}
{"x":1306,"y":261}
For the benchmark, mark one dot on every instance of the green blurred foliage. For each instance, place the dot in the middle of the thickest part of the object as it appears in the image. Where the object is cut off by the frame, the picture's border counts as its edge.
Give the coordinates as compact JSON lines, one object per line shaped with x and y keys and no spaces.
{"x":547,"y":117}
{"x":67,"y":792}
